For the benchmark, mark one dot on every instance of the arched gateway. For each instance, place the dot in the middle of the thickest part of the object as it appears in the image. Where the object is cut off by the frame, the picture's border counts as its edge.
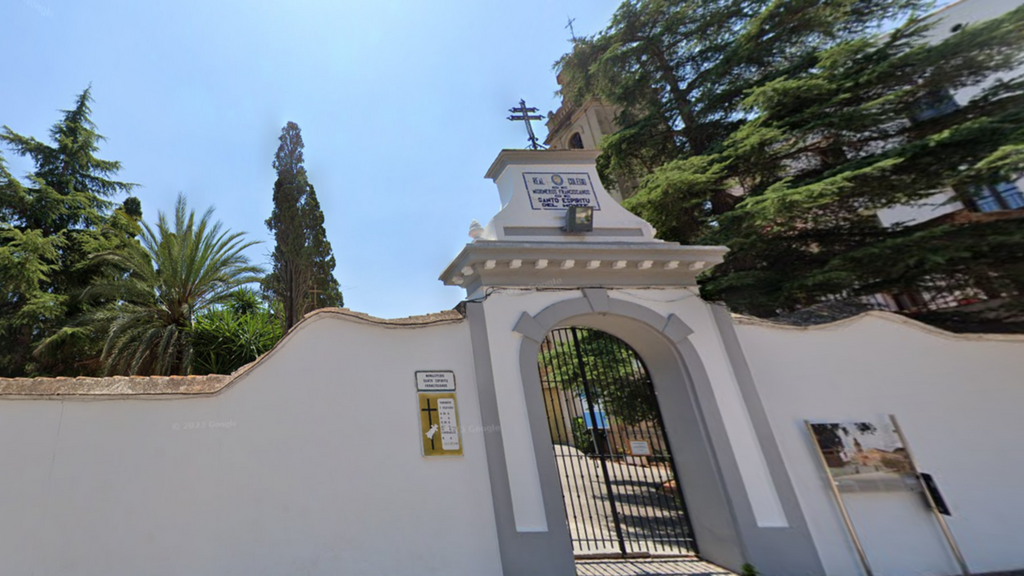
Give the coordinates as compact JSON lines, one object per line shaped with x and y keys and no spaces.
{"x":615,"y":465}
{"x":562,"y":254}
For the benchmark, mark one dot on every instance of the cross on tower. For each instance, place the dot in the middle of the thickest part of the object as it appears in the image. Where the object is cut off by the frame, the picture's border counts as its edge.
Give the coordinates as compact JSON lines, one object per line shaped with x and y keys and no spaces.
{"x":571,"y":29}
{"x":524,"y":114}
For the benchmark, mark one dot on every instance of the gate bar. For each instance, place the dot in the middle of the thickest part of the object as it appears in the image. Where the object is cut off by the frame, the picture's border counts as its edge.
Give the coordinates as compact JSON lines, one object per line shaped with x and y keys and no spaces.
{"x":591,"y":398}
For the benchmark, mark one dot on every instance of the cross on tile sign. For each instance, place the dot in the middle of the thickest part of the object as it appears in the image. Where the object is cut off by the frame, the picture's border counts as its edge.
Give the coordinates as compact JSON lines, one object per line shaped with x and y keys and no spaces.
{"x":430,"y":421}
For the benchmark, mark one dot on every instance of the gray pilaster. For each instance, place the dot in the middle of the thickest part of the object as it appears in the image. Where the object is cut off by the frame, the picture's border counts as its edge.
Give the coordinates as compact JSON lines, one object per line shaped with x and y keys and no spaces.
{"x":764,"y":544}
{"x":522,"y":553}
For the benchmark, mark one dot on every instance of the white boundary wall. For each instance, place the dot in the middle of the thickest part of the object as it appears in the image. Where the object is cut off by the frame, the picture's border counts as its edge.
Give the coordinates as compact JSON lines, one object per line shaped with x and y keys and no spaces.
{"x":309,"y":462}
{"x":311,"y":466}
{"x":959,"y":400}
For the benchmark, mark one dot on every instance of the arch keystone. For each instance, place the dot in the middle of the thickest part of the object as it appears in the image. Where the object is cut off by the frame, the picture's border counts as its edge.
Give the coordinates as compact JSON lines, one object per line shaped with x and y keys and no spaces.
{"x":676,"y":329}
{"x":530,"y":328}
{"x":598,"y":298}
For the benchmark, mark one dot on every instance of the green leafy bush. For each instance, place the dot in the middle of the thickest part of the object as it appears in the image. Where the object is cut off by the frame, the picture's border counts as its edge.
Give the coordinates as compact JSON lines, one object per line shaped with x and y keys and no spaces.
{"x":230,"y":337}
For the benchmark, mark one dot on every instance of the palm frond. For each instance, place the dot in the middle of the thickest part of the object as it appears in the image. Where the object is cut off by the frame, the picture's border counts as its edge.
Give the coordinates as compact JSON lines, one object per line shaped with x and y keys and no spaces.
{"x":183,"y":266}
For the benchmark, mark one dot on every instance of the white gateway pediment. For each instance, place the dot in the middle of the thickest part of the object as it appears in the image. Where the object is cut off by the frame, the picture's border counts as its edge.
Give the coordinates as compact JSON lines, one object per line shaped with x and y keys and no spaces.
{"x":538,"y":186}
{"x":526,"y":243}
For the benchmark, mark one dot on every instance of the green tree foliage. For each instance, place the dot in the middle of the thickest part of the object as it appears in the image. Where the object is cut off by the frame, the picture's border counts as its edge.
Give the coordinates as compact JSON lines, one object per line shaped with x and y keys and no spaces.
{"x":185,"y":266}
{"x":27,"y":262}
{"x":231,"y":336}
{"x":325,"y":291}
{"x":302,"y":276}
{"x":781,"y":128}
{"x":617,"y":381}
{"x":50,"y":226}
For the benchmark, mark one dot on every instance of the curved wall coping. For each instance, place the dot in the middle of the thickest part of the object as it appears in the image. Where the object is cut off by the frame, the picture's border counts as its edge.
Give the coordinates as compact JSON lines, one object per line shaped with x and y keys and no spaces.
{"x":880,"y":315}
{"x":164,"y":387}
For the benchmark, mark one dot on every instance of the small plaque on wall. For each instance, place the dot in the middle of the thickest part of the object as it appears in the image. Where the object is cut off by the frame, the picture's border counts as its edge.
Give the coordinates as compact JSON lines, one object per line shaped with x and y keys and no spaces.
{"x":439,"y":424}
{"x":435,"y":380}
{"x":639,"y":448}
{"x":558,"y":191}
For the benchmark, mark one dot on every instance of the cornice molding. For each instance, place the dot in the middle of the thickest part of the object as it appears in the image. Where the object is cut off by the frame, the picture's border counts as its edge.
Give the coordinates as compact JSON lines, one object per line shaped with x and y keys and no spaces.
{"x":582,"y":264}
{"x":509,"y":157}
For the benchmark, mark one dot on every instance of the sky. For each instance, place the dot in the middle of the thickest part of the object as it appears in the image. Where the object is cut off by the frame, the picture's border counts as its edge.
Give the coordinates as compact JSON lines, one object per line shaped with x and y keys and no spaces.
{"x":402,"y":106}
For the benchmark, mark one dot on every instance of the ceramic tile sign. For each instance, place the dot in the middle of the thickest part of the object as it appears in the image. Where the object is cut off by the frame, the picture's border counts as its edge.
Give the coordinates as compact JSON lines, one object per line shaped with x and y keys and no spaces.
{"x":558,"y":191}
{"x":435,"y":380}
{"x":439,"y":424}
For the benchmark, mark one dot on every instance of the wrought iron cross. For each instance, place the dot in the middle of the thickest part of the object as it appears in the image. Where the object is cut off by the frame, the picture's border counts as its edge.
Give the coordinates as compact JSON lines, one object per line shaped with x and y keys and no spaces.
{"x":524,"y":114}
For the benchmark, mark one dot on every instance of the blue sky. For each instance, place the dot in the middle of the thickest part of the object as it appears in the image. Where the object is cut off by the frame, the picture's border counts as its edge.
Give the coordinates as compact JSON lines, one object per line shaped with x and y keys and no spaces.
{"x":402,"y":107}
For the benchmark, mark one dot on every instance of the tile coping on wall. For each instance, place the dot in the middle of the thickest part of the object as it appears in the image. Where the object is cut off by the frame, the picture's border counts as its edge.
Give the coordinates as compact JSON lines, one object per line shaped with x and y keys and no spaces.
{"x":881,"y":315}
{"x":114,"y":387}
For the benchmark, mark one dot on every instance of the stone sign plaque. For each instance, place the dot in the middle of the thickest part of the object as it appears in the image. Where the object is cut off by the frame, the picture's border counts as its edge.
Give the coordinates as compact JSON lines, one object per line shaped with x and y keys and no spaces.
{"x":439,"y":424}
{"x":435,"y":380}
{"x":560,"y":190}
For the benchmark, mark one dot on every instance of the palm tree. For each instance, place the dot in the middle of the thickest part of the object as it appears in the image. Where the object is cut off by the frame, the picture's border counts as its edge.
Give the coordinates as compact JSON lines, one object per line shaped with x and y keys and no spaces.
{"x":179,"y":269}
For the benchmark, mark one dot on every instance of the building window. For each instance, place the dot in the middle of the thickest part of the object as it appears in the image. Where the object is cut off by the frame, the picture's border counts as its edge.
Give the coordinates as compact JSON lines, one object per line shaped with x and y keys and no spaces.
{"x":932,"y":104}
{"x":576,"y":142}
{"x":996,"y":197}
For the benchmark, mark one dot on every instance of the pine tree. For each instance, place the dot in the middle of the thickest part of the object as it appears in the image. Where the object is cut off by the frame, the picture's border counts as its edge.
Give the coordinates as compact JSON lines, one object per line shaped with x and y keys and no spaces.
{"x":302,"y":276}
{"x":780,"y":129}
{"x":50,"y":228}
{"x":872,"y":126}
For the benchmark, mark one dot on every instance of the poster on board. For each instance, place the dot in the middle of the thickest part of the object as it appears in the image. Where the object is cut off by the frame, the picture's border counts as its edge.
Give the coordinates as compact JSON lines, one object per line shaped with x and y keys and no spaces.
{"x":865,"y":456}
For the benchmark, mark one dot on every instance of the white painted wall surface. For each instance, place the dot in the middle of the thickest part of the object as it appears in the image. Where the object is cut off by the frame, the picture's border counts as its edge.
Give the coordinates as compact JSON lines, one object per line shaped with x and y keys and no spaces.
{"x":503,"y":309}
{"x":959,"y":402}
{"x":314,"y":468}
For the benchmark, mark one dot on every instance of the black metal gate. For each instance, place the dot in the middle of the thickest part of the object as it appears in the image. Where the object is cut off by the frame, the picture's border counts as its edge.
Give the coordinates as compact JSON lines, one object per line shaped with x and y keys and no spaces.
{"x":616,"y":469}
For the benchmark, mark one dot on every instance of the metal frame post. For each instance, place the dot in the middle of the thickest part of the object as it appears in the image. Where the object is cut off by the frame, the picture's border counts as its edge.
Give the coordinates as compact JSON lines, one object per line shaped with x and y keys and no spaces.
{"x":950,"y":540}
{"x":839,"y":502}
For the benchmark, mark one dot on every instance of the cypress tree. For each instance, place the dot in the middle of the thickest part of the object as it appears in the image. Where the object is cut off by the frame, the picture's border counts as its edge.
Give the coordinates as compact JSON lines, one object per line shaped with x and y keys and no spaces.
{"x":302,"y":274}
{"x":324,"y":289}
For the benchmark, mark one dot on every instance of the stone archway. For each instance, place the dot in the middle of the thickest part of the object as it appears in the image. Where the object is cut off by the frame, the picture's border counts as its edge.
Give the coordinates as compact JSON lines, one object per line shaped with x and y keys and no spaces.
{"x":617,"y":471}
{"x":683,"y":390}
